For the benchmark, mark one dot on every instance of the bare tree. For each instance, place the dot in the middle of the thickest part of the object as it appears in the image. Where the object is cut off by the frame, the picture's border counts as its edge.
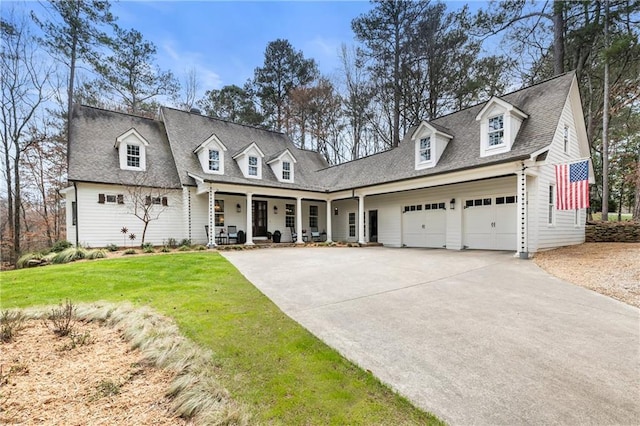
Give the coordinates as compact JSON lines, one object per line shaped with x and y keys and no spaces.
{"x":145,"y":202}
{"x":25,"y":87}
{"x":185,"y":99}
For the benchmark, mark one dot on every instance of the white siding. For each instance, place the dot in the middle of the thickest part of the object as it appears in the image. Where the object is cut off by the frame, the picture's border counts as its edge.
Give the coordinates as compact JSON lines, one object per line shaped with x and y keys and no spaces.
{"x":100,"y":224}
{"x":563,"y":232}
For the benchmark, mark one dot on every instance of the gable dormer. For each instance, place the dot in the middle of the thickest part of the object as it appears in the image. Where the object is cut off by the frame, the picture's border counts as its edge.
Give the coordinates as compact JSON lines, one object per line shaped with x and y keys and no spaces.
{"x":132,"y":150}
{"x":211,"y":155}
{"x":429,"y":144}
{"x":250,"y":161}
{"x":283,"y":166}
{"x":499,"y":124}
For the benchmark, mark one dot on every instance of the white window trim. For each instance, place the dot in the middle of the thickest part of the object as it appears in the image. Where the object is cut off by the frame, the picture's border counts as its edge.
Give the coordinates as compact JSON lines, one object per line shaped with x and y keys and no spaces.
{"x":131,"y":138}
{"x":551,"y":205}
{"x":210,"y":151}
{"x":491,"y":132}
{"x":252,"y":166}
{"x":202,"y":151}
{"x":566,"y":136}
{"x":286,"y":171}
{"x":428,"y":149}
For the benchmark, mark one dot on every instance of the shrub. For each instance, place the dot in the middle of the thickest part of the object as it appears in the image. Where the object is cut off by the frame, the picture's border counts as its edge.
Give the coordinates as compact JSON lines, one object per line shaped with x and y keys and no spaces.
{"x":60,"y":246}
{"x":185,"y":242}
{"x":112,"y":247}
{"x":129,"y":251}
{"x":165,"y":249}
{"x":146,"y":246}
{"x":69,"y":255}
{"x":96,"y":254}
{"x":11,"y":322}
{"x":61,"y":319}
{"x":184,"y":248}
{"x":200,"y":247}
{"x":29,"y":260}
{"x":172,"y":242}
{"x":148,"y":249}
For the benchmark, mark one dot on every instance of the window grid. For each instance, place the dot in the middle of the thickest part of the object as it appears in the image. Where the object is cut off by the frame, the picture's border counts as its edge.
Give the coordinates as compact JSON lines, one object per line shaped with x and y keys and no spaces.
{"x":253,"y":166}
{"x":133,"y":156}
{"x":566,"y":139}
{"x":551,"y":205}
{"x":425,"y":149}
{"x":313,"y":216}
{"x":290,"y":215}
{"x":286,"y":170}
{"x":352,"y":224}
{"x":496,"y":130}
{"x":214,"y":160}
{"x":219,"y":212}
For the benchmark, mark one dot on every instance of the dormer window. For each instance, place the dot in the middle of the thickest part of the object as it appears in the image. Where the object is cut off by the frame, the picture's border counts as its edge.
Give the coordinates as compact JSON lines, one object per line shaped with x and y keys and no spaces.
{"x":133,"y":156}
{"x":249,"y":161}
{"x":286,"y":170}
{"x":282,"y":165}
{"x":430,"y":141}
{"x":496,"y":130}
{"x":425,"y":149}
{"x":211,"y":155}
{"x":500,"y":123}
{"x":253,"y":166}
{"x":214,"y":160}
{"x":131,"y":148}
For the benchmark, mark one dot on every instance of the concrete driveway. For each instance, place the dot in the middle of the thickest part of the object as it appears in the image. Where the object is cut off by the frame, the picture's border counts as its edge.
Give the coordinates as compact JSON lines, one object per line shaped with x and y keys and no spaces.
{"x":474,"y":337}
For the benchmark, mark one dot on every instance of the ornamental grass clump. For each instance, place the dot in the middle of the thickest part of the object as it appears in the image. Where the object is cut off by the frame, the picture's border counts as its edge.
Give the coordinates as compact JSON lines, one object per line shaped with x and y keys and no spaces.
{"x":69,"y":255}
{"x":96,"y":254}
{"x":11,"y":322}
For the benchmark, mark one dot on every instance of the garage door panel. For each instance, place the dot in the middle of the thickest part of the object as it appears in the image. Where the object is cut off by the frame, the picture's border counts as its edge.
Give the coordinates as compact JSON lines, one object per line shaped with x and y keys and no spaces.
{"x":424,"y":225}
{"x":490,"y":223}
{"x":477,"y":226}
{"x":436,"y":228}
{"x":413,"y":231}
{"x":506,"y":227}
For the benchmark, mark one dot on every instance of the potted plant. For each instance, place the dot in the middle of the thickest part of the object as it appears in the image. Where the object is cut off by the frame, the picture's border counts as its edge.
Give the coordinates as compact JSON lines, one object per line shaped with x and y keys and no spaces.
{"x":276,"y":236}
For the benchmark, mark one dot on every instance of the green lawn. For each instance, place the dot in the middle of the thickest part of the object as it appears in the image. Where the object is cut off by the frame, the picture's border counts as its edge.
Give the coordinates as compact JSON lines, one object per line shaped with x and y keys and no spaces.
{"x":613,"y":217}
{"x":266,"y":360}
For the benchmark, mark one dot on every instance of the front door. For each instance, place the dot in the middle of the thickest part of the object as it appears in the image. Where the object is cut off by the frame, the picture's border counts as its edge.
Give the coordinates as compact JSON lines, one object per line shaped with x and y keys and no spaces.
{"x":373,"y":226}
{"x":259,"y":214}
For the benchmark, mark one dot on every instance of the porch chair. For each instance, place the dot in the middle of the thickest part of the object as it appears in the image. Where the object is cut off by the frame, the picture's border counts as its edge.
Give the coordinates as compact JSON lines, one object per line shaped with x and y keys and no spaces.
{"x":232,"y":233}
{"x":315,"y":235}
{"x":294,"y":235}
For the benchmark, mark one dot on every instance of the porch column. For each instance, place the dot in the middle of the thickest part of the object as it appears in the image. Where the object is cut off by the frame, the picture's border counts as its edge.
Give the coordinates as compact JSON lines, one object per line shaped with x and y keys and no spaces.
{"x":299,"y":220}
{"x":328,"y":221}
{"x":523,"y":243}
{"x":361,"y":239}
{"x":249,"y":231}
{"x":212,"y":218}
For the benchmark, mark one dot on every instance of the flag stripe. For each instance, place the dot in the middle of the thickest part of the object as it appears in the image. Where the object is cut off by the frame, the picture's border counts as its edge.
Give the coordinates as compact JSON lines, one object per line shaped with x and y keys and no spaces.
{"x":572,"y":186}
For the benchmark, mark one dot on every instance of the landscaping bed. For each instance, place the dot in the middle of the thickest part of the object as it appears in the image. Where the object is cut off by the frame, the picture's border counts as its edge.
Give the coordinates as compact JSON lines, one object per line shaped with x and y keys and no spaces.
{"x":612,"y":269}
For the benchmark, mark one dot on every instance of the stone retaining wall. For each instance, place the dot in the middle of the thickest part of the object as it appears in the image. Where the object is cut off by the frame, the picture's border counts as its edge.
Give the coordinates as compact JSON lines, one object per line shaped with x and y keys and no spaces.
{"x":610,"y":232}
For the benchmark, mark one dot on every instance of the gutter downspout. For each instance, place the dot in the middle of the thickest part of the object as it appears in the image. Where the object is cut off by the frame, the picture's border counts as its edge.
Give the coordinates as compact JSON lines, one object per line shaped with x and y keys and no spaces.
{"x":75,"y":195}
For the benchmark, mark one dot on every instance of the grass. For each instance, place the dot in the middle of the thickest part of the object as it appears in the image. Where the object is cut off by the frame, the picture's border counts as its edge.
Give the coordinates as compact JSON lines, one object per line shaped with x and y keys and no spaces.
{"x":613,"y":217}
{"x":267,"y":361}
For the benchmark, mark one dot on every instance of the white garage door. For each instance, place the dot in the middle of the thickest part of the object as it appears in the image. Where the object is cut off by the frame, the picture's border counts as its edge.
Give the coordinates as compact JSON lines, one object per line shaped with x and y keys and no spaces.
{"x":424,"y":225}
{"x":490,"y":223}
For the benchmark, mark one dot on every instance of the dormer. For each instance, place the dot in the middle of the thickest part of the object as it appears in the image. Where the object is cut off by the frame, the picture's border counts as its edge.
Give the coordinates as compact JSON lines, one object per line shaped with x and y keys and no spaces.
{"x":429,"y":143}
{"x":499,"y":124}
{"x":211,"y":155}
{"x":132,"y":151}
{"x":250,"y":161}
{"x":283,"y":166}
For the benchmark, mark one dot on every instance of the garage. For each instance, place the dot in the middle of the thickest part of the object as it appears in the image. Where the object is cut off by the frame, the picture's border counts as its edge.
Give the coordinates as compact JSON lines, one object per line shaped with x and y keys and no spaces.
{"x":490,"y":223}
{"x":424,"y":225}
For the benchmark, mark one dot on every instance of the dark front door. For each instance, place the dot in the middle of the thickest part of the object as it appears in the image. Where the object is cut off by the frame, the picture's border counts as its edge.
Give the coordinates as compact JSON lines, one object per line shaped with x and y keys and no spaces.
{"x":373,"y":226}
{"x":259,"y":209}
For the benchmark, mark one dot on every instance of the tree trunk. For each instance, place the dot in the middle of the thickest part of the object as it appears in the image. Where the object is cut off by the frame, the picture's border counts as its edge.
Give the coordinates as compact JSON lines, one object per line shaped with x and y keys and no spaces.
{"x":558,"y":37}
{"x":16,"y":204}
{"x":605,"y":122}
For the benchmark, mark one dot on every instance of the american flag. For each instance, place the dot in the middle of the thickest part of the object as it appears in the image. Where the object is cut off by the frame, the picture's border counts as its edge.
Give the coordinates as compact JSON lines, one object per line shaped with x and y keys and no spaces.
{"x":572,"y":186}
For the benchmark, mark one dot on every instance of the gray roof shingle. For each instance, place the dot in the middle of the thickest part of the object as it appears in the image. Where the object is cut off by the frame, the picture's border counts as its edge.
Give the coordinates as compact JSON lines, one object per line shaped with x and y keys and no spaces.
{"x":171,"y":158}
{"x":93,"y":157}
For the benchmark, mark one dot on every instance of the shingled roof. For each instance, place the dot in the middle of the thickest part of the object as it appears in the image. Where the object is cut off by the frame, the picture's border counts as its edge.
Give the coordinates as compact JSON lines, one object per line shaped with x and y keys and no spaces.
{"x":188,"y":130}
{"x":94,"y":158}
{"x":171,"y":161}
{"x":543,"y":103}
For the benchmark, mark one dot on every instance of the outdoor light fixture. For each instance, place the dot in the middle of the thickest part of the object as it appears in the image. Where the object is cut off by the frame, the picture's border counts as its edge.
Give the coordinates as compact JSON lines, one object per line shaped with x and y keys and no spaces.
{"x":335,"y":211}
{"x":452,"y":204}
{"x":238,"y":208}
{"x":275,"y":209}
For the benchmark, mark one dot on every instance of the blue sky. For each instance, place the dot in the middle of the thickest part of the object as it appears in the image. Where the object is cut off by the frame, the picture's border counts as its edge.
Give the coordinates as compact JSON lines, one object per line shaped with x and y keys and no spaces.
{"x":224,"y":41}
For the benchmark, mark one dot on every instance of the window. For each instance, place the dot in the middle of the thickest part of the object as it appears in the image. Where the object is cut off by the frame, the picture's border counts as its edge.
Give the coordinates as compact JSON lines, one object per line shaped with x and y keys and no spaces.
{"x":352,"y":224}
{"x":74,"y":213}
{"x":566,"y":139}
{"x":425,"y":149}
{"x":214,"y":160}
{"x":551,"y":205}
{"x":313,"y":216}
{"x":111,"y":199}
{"x":576,"y":217}
{"x":290,"y":215}
{"x":156,"y":201}
{"x":253,"y":166}
{"x":496,"y":130}
{"x":219,"y":212}
{"x":286,"y":170}
{"x":133,"y":156}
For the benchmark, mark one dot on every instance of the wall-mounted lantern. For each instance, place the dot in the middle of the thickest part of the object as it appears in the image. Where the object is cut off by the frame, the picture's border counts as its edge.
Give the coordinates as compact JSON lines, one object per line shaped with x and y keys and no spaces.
{"x":452,"y":204}
{"x":238,"y":208}
{"x":275,"y":209}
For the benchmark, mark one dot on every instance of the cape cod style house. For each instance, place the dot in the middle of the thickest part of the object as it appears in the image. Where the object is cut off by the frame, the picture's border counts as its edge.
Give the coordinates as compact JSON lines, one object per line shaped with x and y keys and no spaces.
{"x":480,"y":178}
